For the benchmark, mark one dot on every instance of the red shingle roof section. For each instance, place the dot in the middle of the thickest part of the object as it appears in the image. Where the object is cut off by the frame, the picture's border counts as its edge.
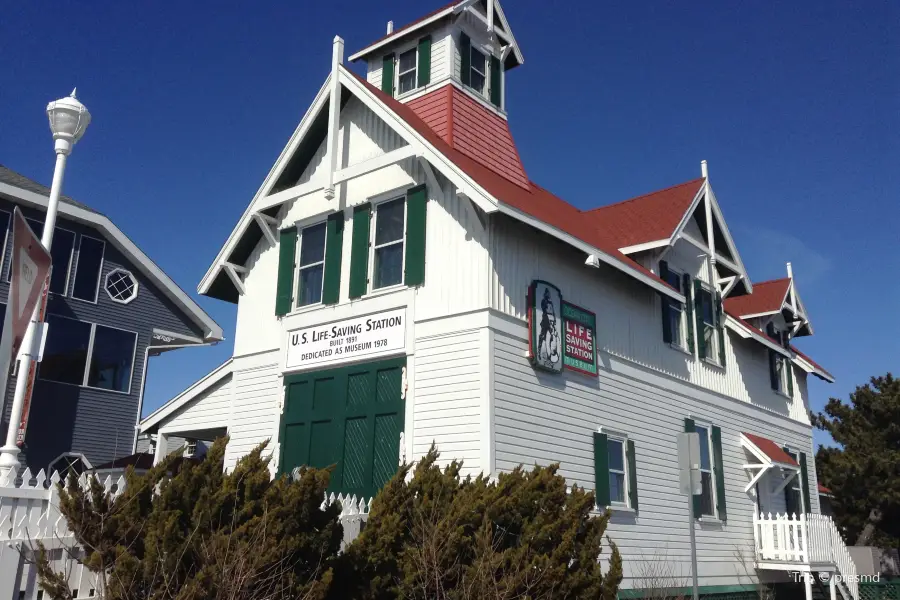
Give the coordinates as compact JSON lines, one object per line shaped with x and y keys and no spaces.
{"x":469,"y":127}
{"x":647,"y":218}
{"x":535,"y":201}
{"x":771,"y":449}
{"x":823,"y":489}
{"x":767,"y":296}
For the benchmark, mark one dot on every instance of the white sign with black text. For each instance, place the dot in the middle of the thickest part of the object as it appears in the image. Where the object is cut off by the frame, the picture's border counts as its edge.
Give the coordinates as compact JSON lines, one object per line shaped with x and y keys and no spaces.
{"x":351,"y":339}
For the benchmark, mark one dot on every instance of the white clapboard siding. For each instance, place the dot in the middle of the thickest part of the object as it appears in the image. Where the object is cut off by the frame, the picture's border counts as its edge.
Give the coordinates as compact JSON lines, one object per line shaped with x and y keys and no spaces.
{"x":448,"y":392}
{"x":545,"y":418}
{"x":628,"y":317}
{"x":210,"y":409}
{"x":442,"y":60}
{"x":256,"y":394}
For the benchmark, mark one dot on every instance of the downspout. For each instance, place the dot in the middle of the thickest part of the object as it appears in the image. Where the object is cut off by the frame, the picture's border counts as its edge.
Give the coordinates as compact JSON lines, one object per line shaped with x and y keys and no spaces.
{"x":137,"y":420}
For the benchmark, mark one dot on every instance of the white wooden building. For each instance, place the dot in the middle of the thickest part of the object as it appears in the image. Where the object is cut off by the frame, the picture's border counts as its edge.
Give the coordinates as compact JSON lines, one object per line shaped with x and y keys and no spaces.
{"x":400,"y":281}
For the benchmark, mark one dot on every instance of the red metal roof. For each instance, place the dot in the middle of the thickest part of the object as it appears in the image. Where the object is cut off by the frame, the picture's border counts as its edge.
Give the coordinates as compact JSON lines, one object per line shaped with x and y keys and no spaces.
{"x":811,"y":361}
{"x":823,"y":489}
{"x":408,"y":26}
{"x":767,"y":296}
{"x":647,"y":218}
{"x":534,"y":201}
{"x":473,"y":129}
{"x":771,"y":449}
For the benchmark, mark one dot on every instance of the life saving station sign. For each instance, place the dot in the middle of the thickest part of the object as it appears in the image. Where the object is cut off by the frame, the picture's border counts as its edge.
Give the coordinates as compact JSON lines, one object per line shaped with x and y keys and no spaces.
{"x":351,"y":339}
{"x":560,"y":334}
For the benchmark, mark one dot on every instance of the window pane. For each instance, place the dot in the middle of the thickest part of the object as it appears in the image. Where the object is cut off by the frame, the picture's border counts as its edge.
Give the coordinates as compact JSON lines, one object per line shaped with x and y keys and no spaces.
{"x":65,"y":352}
{"x":674,"y":279}
{"x":707,"y":306}
{"x":478,"y":71}
{"x":388,"y":266}
{"x":389,"y":221}
{"x":310,"y":290}
{"x":709,"y":341}
{"x":111,"y":360}
{"x":61,"y":253}
{"x":614,"y":451}
{"x":704,"y":447}
{"x":675,"y":319}
{"x":36,"y":226}
{"x":706,"y":499}
{"x":87,"y":273}
{"x":408,"y":60}
{"x":616,"y":487}
{"x":407,"y":82}
{"x":312,"y":245}
{"x":477,"y":82}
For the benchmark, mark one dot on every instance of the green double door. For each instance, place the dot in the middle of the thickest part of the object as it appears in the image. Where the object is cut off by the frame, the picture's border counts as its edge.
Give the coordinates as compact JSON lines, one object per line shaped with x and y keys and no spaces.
{"x":350,"y":417}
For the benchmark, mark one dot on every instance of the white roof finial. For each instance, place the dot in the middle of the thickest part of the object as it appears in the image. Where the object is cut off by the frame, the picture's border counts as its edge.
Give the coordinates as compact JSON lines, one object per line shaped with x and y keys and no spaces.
{"x":390,"y":27}
{"x":72,"y":95}
{"x":790,"y":271}
{"x":704,"y":169}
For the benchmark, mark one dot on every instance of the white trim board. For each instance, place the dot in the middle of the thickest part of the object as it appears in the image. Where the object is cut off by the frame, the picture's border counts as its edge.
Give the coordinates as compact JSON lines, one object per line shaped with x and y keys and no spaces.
{"x":198,"y":387}
{"x":212,"y":330}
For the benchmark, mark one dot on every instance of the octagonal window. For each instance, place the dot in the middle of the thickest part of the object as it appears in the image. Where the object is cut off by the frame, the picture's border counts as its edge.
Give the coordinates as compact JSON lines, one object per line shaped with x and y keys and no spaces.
{"x":121,"y":286}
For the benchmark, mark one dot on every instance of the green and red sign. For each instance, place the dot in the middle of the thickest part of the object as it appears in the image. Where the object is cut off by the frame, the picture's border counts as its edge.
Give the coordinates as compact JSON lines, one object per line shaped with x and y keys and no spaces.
{"x":579,"y":348}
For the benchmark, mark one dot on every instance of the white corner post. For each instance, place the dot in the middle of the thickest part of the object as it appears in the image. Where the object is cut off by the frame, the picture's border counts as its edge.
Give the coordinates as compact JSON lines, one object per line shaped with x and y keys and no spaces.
{"x":334,"y":109}
{"x":162,"y":448}
{"x":69,"y":119}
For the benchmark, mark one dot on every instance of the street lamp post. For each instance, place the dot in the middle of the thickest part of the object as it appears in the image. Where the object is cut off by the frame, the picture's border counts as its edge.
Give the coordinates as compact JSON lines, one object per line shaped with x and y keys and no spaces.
{"x":69,"y":119}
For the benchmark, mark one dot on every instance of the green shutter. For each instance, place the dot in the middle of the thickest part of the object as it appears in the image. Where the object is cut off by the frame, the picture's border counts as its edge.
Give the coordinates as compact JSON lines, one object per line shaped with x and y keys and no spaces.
{"x":804,"y":482}
{"x":601,"y":470}
{"x":424,"y":70}
{"x":287,"y":250}
{"x":689,"y":310}
{"x":416,"y":202}
{"x":359,"y":251}
{"x":697,"y":498}
{"x":721,"y":327}
{"x":465,"y":59}
{"x":496,"y":82}
{"x":698,"y":310}
{"x":719,"y":472}
{"x":334,"y":240}
{"x":665,"y":303}
{"x":387,"y":75}
{"x":632,"y":476}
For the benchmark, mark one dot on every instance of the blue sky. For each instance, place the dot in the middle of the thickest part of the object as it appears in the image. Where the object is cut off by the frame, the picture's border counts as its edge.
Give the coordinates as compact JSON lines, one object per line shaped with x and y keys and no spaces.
{"x":794,"y":105}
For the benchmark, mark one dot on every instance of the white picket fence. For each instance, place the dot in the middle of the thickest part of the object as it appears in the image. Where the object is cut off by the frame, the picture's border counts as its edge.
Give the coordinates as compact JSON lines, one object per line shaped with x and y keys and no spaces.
{"x":29,"y":513}
{"x":805,"y":539}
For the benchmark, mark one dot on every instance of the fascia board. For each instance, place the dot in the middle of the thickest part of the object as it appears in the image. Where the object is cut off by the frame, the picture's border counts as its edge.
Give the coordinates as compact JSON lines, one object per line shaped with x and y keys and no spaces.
{"x":212,"y":330}
{"x":276,"y":170}
{"x":186,"y":396}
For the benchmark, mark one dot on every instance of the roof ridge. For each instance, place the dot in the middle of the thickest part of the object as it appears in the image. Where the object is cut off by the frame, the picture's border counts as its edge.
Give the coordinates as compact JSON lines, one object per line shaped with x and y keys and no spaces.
{"x":671,"y":187}
{"x":769,"y":281}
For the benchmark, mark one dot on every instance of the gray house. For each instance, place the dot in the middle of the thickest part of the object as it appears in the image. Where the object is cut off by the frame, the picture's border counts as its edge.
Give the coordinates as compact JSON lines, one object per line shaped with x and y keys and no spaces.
{"x":110,"y":308}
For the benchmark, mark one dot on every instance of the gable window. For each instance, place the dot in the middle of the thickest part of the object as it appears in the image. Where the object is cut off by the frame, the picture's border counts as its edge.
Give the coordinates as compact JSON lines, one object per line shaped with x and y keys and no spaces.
{"x":86,"y":354}
{"x":673,"y":312}
{"x":87,"y":268}
{"x":780,"y":375}
{"x":478,"y":75}
{"x":406,"y":71}
{"x":60,"y":256}
{"x":708,"y":495}
{"x":121,"y":286}
{"x":390,"y":223}
{"x":706,"y":307}
{"x":312,"y":265}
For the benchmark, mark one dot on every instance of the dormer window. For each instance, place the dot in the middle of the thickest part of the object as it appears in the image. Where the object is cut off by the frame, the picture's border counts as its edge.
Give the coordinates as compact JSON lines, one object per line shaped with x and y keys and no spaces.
{"x":478,"y":76}
{"x":406,"y":79}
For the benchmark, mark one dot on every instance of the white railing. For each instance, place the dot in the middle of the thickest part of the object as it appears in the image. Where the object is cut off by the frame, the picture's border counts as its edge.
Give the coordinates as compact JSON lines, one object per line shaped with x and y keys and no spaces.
{"x":29,"y":513}
{"x":354,"y":514}
{"x":805,"y":539}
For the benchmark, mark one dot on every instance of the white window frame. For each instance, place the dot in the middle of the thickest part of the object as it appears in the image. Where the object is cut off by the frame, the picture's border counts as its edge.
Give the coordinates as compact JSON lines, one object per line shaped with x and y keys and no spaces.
{"x":190,"y":448}
{"x":798,"y":482}
{"x":411,"y":47}
{"x":712,"y":470}
{"x":99,"y":275}
{"x":90,"y":356}
{"x":487,"y":68}
{"x":623,"y":440}
{"x":134,"y":293}
{"x":301,"y":227}
{"x":681,"y":342}
{"x":401,"y":197}
{"x":714,"y":354}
